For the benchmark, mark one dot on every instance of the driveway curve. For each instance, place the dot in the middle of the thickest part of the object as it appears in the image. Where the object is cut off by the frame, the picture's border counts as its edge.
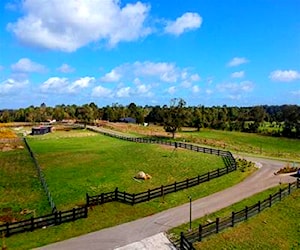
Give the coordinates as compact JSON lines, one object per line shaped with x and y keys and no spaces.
{"x":140,"y":229}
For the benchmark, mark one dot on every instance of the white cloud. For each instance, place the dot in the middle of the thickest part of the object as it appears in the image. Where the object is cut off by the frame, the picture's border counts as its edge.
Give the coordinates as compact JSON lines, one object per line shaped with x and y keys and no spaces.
{"x":102,"y":92}
{"x":25,"y":65}
{"x":69,"y":25}
{"x":143,"y":89}
{"x":65,"y":68}
{"x":166,"y":72}
{"x":296,"y":93}
{"x":236,"y":61}
{"x":149,"y":72}
{"x":238,"y":74}
{"x":236,"y":88}
{"x":171,"y":90}
{"x":195,"y":89}
{"x":12,"y":86}
{"x":123,"y":92}
{"x":63,"y":86}
{"x":188,"y":21}
{"x":81,"y":83}
{"x":284,"y":75}
{"x":112,"y":76}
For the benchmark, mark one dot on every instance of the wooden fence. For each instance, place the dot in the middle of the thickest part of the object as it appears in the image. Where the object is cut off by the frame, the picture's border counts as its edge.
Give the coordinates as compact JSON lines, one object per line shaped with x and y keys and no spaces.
{"x":32,"y":224}
{"x":161,"y":191}
{"x":228,"y":159}
{"x":41,"y":177}
{"x":222,"y":223}
{"x":164,"y":142}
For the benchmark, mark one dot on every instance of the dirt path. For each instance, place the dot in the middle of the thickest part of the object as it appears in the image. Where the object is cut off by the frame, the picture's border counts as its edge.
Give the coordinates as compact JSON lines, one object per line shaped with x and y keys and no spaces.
{"x":140,"y":229}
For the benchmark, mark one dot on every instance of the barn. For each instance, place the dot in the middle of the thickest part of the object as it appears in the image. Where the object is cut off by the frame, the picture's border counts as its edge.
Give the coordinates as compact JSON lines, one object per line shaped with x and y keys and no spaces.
{"x":41,"y":130}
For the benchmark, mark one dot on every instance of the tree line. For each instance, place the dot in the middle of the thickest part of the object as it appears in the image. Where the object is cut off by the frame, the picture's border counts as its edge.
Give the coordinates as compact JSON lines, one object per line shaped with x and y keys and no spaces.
{"x":275,"y":120}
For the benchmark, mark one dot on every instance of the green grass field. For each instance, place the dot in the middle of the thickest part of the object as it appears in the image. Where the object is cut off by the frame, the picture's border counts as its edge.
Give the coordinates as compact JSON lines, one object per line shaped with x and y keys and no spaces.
{"x":95,"y":163}
{"x":275,"y":228}
{"x":237,"y":142}
{"x":19,"y":186}
{"x":69,"y":164}
{"x":247,"y":143}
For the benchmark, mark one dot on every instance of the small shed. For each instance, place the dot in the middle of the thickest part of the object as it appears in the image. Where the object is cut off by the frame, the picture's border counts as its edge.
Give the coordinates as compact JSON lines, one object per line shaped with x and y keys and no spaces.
{"x":41,"y":130}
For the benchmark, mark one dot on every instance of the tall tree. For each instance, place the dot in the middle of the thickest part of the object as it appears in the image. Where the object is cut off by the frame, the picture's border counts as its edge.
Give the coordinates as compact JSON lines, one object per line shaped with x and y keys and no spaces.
{"x":174,"y":117}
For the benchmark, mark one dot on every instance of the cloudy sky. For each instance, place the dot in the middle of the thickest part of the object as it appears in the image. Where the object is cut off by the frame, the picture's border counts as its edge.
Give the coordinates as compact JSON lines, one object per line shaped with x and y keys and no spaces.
{"x":208,"y":52}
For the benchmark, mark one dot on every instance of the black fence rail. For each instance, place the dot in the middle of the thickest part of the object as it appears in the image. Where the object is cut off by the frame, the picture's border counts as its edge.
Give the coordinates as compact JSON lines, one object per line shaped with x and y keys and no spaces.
{"x":156,"y":192}
{"x":188,"y":146}
{"x":185,"y":244}
{"x":222,"y":223}
{"x":41,"y":177}
{"x":53,"y":219}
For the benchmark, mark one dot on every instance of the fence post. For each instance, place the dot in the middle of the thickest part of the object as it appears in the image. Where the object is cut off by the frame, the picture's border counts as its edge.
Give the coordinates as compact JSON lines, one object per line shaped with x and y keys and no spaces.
{"x":298,"y":183}
{"x":59,"y":217}
{"x":175,"y":186}
{"x":208,"y":176}
{"x":187,"y":182}
{"x":217,"y":224}
{"x":32,"y":223}
{"x":55,"y":218}
{"x":246,"y":213}
{"x":162,"y":190}
{"x":102,"y":198}
{"x":258,"y":206}
{"x":200,"y":233}
{"x":116,"y":194}
{"x":289,"y":188}
{"x":148,"y":194}
{"x":232,"y":218}
{"x":198,"y":179}
{"x":181,"y":240}
{"x":7,"y":229}
{"x":280,"y":190}
{"x":85,"y":212}
{"x":73,"y":214}
{"x":218,"y":172}
{"x":133,"y":199}
{"x":270,"y":200}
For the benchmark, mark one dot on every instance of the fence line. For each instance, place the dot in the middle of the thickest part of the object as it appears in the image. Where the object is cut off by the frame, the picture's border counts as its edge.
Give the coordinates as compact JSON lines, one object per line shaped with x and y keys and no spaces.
{"x":222,"y":223}
{"x":41,"y":177}
{"x":228,"y":159}
{"x":32,"y":224}
{"x":150,"y":194}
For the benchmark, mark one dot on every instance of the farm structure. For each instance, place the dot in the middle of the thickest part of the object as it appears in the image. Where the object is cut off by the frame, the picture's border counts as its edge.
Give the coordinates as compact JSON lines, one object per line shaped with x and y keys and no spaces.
{"x":41,"y":130}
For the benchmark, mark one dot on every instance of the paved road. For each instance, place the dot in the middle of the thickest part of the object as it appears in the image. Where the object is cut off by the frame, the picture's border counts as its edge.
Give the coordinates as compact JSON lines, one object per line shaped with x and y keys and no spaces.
{"x":140,"y":229}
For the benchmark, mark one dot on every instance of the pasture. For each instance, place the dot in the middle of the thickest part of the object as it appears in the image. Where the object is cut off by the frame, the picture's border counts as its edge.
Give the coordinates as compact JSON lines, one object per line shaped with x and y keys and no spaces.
{"x":76,"y":162}
{"x":236,"y":142}
{"x":20,"y":189}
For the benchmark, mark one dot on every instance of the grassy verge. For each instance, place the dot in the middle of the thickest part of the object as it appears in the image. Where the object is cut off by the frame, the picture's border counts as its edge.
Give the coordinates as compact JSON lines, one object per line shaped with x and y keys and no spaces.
{"x":95,"y":163}
{"x":274,"y":228}
{"x":19,"y":185}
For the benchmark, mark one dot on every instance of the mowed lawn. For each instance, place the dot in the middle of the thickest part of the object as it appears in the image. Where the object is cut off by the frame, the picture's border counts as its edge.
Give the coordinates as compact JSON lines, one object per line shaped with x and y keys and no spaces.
{"x":20,"y":187}
{"x":77,"y":162}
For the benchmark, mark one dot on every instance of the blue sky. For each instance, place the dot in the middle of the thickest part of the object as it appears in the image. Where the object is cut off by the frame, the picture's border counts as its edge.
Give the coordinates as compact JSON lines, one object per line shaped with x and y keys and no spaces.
{"x":208,"y":52}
